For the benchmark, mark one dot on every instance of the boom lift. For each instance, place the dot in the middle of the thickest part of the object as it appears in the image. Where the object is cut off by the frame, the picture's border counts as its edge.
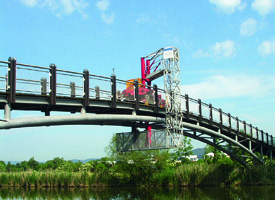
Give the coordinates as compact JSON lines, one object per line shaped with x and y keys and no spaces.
{"x":162,"y":63}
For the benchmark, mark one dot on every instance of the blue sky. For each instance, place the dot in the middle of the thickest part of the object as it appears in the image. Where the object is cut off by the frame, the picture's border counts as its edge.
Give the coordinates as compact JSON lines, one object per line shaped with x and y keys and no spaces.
{"x":227,"y":53}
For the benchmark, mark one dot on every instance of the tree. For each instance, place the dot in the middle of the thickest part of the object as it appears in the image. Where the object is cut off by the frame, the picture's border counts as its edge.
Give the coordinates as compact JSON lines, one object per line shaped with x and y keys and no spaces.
{"x":24,"y":165}
{"x":111,"y":149}
{"x":2,"y":166}
{"x":55,"y":163}
{"x":184,"y":151}
{"x":9,"y":167}
{"x":33,"y":163}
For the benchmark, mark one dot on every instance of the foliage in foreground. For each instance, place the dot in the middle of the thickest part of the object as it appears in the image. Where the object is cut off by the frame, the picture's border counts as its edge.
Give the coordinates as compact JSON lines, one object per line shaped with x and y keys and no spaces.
{"x":143,"y":173}
{"x":144,"y":168}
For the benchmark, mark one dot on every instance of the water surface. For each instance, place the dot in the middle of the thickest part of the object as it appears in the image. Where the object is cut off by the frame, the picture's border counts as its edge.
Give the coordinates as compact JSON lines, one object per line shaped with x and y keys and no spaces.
{"x":195,"y":193}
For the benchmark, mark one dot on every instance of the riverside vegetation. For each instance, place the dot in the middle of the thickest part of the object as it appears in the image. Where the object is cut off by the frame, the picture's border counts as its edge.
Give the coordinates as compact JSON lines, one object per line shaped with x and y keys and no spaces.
{"x":143,"y":168}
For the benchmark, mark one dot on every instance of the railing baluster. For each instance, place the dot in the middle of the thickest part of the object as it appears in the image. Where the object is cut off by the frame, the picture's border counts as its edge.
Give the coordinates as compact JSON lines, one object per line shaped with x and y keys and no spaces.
{"x":72,"y":88}
{"x":97,"y":92}
{"x":43,"y":86}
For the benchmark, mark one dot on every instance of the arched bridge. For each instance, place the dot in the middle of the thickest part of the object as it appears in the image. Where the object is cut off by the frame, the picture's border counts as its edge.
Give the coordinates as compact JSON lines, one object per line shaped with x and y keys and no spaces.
{"x":100,"y":100}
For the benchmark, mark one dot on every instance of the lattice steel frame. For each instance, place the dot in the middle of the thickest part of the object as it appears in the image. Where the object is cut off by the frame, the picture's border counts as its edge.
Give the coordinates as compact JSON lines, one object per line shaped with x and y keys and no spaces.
{"x":169,"y":60}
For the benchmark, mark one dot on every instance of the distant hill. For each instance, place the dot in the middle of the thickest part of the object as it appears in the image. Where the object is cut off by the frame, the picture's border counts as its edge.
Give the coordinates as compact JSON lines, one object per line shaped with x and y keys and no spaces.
{"x":84,"y":161}
{"x":74,"y":160}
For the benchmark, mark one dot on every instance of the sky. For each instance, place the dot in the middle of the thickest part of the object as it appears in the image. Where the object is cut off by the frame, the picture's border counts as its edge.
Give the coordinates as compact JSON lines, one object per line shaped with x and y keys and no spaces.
{"x":227,"y":58}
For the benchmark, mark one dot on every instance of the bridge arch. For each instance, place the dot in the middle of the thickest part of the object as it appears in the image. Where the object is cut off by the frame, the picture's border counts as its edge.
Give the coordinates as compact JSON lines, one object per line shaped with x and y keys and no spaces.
{"x":190,"y":130}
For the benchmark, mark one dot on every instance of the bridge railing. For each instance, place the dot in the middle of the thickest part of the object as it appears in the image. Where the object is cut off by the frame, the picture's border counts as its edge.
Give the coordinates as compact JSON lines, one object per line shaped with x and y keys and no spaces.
{"x":23,"y":78}
{"x":3,"y":75}
{"x":202,"y":110}
{"x":68,"y":83}
{"x":100,"y":87}
{"x":28,"y":78}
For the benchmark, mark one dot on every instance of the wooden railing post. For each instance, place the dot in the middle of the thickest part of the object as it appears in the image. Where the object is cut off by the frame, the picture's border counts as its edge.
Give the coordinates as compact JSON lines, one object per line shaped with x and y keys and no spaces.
{"x":262,"y":133}
{"x":221,"y":122}
{"x":155,"y":87}
{"x":187,"y":105}
{"x":86,"y":95}
{"x":211,"y":114}
{"x":113,"y":82}
{"x":229,"y":122}
{"x":244,"y":126}
{"x":11,"y":89}
{"x":251,"y":131}
{"x":52,"y":84}
{"x":238,"y":128}
{"x":136,"y":95}
{"x":200,"y":110}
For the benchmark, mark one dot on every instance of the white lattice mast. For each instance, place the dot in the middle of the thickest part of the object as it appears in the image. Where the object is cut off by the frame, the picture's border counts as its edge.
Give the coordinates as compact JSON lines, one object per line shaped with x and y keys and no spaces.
{"x":166,"y":62}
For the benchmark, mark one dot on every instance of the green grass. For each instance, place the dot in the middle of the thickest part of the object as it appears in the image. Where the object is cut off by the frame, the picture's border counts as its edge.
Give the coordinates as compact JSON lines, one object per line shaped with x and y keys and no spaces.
{"x":192,"y":174}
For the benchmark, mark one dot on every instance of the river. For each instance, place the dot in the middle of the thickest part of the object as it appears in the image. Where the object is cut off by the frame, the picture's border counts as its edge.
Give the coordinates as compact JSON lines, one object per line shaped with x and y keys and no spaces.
{"x":189,"y":193}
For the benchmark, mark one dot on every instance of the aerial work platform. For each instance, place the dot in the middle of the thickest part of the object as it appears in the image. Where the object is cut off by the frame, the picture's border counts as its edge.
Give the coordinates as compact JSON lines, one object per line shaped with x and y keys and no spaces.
{"x":162,"y":63}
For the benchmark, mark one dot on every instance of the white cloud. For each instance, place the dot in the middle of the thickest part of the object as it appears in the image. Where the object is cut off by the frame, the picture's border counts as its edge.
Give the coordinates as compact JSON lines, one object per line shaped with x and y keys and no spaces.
{"x":108,"y":19}
{"x":263,"y":7}
{"x":29,"y":3}
{"x":249,"y":27}
{"x":231,"y":86}
{"x":224,"y":49}
{"x":267,"y":48}
{"x":60,"y":7}
{"x":228,"y":6}
{"x":103,"y":5}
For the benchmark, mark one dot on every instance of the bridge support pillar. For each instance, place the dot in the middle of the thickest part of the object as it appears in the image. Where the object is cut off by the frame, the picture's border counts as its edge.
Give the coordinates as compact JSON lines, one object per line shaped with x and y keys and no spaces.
{"x":7,"y":111}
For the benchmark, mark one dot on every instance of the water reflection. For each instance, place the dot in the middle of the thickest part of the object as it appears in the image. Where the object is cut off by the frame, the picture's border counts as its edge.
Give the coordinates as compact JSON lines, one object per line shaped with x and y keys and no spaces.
{"x":252,"y":192}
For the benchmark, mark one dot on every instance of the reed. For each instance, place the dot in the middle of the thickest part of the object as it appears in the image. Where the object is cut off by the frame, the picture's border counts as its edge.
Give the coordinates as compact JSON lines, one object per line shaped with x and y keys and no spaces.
{"x":192,"y":174}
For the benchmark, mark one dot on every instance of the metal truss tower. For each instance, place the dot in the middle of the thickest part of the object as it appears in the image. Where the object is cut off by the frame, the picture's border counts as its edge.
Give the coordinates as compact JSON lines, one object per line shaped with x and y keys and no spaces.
{"x":166,"y":62}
